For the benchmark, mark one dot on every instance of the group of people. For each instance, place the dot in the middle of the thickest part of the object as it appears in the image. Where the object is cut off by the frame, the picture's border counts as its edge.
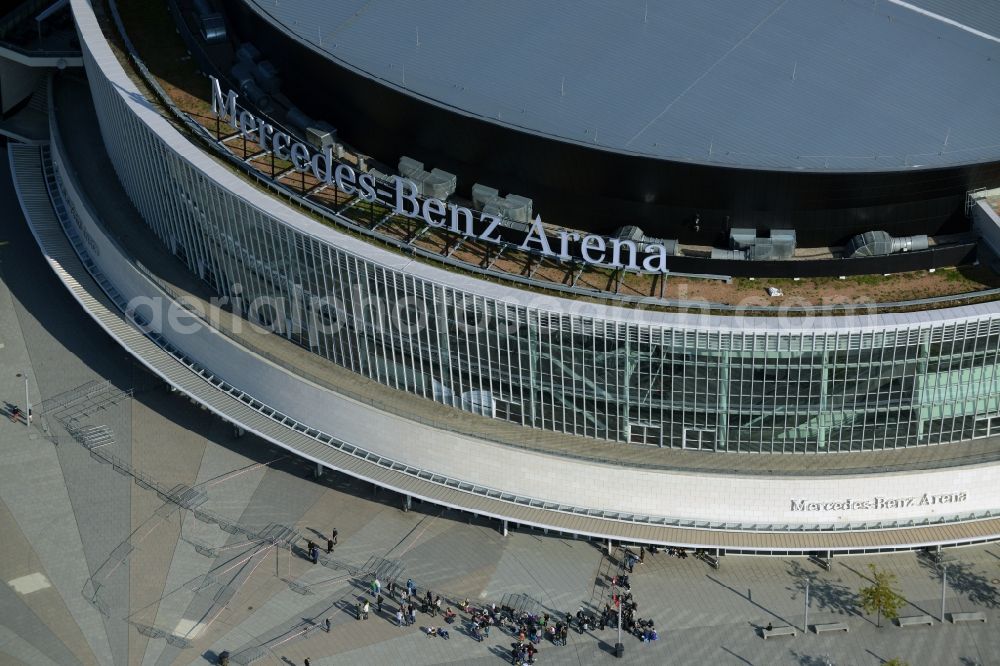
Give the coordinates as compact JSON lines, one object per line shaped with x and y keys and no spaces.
{"x":479,"y":626}
{"x":406,"y":615}
{"x":671,"y":550}
{"x":17,"y":414}
{"x":522,"y":653}
{"x":438,"y":631}
{"x":529,"y":629}
{"x":643,"y":629}
{"x":312,"y":550}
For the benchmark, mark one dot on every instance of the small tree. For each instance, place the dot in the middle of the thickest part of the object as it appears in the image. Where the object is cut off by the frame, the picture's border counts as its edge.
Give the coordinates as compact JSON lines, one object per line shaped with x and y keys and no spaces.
{"x":880,"y":597}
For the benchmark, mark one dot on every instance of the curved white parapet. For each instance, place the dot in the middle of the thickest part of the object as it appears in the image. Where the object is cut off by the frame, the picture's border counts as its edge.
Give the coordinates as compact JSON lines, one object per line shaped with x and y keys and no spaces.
{"x":783,"y":502}
{"x":740,"y":501}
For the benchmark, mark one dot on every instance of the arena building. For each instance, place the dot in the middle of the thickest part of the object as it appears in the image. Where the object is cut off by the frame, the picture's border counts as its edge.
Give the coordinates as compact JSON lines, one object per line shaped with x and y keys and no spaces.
{"x":320,"y":287}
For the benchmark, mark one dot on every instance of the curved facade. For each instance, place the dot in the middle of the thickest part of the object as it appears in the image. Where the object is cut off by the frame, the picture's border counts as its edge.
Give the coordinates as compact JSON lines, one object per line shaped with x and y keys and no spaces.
{"x":709,"y":383}
{"x":522,"y":362}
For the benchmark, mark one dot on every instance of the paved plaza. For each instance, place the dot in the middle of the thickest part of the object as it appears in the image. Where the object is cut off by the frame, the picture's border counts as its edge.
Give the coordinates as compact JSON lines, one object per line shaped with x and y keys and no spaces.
{"x":172,"y":540}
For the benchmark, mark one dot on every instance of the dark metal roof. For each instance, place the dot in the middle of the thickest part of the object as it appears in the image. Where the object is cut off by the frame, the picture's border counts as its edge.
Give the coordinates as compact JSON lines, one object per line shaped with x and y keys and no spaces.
{"x":813,"y":84}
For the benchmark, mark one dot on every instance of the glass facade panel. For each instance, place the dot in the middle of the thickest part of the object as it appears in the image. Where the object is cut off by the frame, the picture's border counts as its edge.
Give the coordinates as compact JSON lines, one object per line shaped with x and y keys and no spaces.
{"x":794,"y":391}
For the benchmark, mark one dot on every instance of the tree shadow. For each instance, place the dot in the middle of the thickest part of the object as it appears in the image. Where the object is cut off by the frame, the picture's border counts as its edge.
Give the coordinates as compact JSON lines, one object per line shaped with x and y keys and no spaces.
{"x":827,"y":595}
{"x":500,"y":651}
{"x":463,"y":628}
{"x":747,"y":597}
{"x":880,"y":659}
{"x":812,"y":660}
{"x":742,"y":659}
{"x":964,"y":580}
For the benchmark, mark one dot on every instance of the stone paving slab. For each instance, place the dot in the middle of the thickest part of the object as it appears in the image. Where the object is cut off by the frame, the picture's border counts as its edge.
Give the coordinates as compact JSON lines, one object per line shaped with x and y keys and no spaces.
{"x":187,"y":565}
{"x":18,"y":560}
{"x":17,"y":650}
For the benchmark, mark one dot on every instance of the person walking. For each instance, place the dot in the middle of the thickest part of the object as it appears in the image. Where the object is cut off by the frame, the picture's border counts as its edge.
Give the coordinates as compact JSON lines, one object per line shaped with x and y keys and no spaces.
{"x":306,"y":662}
{"x":314,"y":554}
{"x":333,"y":536}
{"x":366,"y":608}
{"x":399,"y":617}
{"x":329,"y":546}
{"x":378,"y":603}
{"x":411,"y":588}
{"x":327,"y":625}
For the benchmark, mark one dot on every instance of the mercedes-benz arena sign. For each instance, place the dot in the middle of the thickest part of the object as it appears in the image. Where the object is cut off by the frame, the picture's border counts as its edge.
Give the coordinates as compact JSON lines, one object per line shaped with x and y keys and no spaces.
{"x":402,"y":197}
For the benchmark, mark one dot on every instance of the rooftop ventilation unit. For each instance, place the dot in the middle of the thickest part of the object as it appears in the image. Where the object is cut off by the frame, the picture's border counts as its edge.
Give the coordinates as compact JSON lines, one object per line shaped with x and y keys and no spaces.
{"x":435,"y":183}
{"x":741,"y":239}
{"x":410,"y":168}
{"x":213,"y":26}
{"x":880,"y":243}
{"x":267,"y":77}
{"x":512,"y":208}
{"x":483,"y":195}
{"x":635,"y":234}
{"x":731,"y":255}
{"x":783,"y":242}
{"x":242,"y":73}
{"x":322,"y":136}
{"x":780,"y":244}
{"x":247,"y":53}
{"x":299,"y":120}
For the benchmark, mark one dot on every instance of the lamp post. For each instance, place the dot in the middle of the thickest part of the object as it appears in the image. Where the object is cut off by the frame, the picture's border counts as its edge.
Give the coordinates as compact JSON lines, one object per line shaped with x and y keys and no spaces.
{"x":616,"y":597}
{"x":944,"y":587}
{"x":618,"y":646}
{"x":943,"y":565}
{"x":805,"y":625}
{"x":27,"y":403}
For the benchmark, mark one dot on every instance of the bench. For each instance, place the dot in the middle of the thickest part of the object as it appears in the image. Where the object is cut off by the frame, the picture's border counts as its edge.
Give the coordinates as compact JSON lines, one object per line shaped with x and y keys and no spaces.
{"x":779,"y":631}
{"x":968,"y":617}
{"x":913,"y":620}
{"x":833,"y":626}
